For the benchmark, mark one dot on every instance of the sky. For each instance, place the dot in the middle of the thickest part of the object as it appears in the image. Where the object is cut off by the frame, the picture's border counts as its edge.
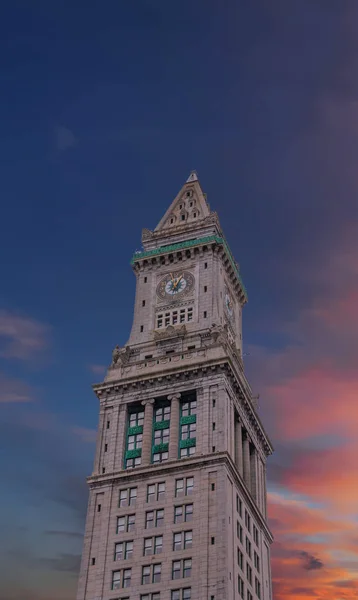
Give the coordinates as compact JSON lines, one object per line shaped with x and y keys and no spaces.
{"x":105,"y":108}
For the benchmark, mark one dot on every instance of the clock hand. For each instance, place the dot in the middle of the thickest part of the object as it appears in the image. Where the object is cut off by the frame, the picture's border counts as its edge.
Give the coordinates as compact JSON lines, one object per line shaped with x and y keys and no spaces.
{"x":178,"y":281}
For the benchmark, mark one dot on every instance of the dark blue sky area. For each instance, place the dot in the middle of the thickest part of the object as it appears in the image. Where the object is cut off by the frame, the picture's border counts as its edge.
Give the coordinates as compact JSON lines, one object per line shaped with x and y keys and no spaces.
{"x":105,"y":108}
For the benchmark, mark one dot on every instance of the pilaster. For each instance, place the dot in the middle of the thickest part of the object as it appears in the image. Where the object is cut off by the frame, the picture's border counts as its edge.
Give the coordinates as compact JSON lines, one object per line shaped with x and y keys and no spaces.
{"x":238,"y":448}
{"x":246,"y":461}
{"x":147,"y":431}
{"x":174,"y":425}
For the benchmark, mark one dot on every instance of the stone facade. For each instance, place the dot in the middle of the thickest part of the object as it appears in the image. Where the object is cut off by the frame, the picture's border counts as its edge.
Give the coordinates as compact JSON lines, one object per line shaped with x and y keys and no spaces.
{"x":177,"y":502}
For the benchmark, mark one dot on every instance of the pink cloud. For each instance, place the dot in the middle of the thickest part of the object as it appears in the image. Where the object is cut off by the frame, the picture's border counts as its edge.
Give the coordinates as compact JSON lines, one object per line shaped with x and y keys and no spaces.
{"x":13,"y":391}
{"x":21,"y":337}
{"x":85,"y":435}
{"x":98,"y":369}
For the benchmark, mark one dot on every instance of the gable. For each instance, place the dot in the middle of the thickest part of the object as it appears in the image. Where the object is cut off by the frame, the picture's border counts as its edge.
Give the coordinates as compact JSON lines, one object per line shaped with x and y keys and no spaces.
{"x":189,"y":206}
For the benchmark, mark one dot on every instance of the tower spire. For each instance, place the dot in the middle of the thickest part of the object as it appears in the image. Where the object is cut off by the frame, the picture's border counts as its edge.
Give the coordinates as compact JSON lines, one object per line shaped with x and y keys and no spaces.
{"x":189,"y":206}
{"x":192,"y":177}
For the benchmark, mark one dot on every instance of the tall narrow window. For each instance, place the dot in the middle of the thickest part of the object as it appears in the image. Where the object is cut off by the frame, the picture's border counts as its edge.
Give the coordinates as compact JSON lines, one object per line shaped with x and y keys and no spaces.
{"x":188,"y":426}
{"x":133,"y":455}
{"x":161,"y":426}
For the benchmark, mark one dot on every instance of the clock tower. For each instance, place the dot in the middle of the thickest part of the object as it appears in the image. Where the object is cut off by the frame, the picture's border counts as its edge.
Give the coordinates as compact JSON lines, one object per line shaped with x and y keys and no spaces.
{"x":177,"y":504}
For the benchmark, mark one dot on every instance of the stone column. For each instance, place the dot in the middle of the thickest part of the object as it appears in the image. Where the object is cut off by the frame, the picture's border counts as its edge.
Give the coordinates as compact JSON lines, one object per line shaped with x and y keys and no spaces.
{"x":238,"y":447}
{"x":147,"y":431}
{"x":246,"y":461}
{"x":254,"y":473}
{"x":100,"y":432}
{"x":174,"y":425}
{"x":265,"y":493}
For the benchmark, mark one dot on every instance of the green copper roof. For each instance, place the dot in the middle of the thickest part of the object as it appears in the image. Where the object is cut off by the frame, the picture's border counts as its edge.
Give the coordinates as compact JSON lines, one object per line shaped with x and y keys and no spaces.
{"x":189,"y":244}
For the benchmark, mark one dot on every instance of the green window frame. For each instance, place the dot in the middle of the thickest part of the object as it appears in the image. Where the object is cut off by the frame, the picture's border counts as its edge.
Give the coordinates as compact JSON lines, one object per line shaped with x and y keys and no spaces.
{"x":187,"y":442}
{"x":134,"y":439}
{"x":161,"y":430}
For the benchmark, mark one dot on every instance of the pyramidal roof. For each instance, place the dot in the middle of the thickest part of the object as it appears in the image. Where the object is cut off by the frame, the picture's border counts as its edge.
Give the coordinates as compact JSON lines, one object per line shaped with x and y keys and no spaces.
{"x":189,"y":206}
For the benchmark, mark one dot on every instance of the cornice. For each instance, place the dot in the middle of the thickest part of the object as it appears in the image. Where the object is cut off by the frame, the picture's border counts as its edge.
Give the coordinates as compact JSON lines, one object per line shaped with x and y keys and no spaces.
{"x":132,"y":476}
{"x":214,"y":240}
{"x":190,"y":373}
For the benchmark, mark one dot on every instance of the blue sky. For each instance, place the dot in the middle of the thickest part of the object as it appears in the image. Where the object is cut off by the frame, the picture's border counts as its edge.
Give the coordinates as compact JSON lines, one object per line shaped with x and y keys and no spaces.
{"x":105,"y":109}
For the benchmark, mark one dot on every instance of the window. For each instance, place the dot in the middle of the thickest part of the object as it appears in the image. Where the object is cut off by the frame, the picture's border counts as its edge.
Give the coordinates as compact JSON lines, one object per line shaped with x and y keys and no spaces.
{"x":188,"y":408}
{"x":136,"y":418}
{"x":183,"y":513}
{"x":141,"y":328}
{"x":152,"y":596}
{"x":116,"y":580}
{"x":182,"y":540}
{"x":205,"y":314}
{"x":173,"y":317}
{"x":240,"y":559}
{"x":257,"y":562}
{"x":214,"y":425}
{"x":127,"y":497}
{"x":155,"y":491}
{"x":240,"y":587}
{"x":205,"y":265}
{"x":153,"y":545}
{"x":161,"y":433}
{"x":162,"y":413}
{"x":121,"y":579}
{"x":123,"y":550}
{"x":135,"y":441}
{"x":145,"y":575}
{"x":249,"y":595}
{"x":248,"y":547}
{"x":105,"y":447}
{"x":188,"y":431}
{"x":184,"y":487}
{"x":256,"y":535}
{"x":93,"y":561}
{"x":108,"y":423}
{"x":181,"y":568}
{"x":99,"y":506}
{"x":212,"y":541}
{"x":126,"y":523}
{"x":188,"y":427}
{"x":160,"y":456}
{"x":239,"y":531}
{"x":239,"y":505}
{"x":103,"y":469}
{"x":205,"y":288}
{"x":151,"y":574}
{"x":154,"y":518}
{"x":247,"y":521}
{"x":213,"y":487}
{"x":183,"y":594}
{"x":257,"y":588}
{"x":249,"y":573}
{"x":183,"y":217}
{"x":145,"y":279}
{"x":143,"y":302}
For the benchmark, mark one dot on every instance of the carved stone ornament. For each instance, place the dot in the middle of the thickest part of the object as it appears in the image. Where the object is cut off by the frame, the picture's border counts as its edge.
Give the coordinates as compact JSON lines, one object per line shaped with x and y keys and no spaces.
{"x":170,"y":332}
{"x":147,"y":234}
{"x":120,"y":356}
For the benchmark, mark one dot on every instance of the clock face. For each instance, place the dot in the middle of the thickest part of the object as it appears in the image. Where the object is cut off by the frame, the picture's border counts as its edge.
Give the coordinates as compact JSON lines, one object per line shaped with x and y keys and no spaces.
{"x":175,"y":284}
{"x":229,"y":306}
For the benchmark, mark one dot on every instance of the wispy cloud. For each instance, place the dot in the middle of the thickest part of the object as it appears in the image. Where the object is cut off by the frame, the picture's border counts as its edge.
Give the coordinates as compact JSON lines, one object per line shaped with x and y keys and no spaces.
{"x":13,"y":391}
{"x":85,"y":435}
{"x":65,"y":534}
{"x":21,"y":337}
{"x":64,"y":138}
{"x":97,"y":369}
